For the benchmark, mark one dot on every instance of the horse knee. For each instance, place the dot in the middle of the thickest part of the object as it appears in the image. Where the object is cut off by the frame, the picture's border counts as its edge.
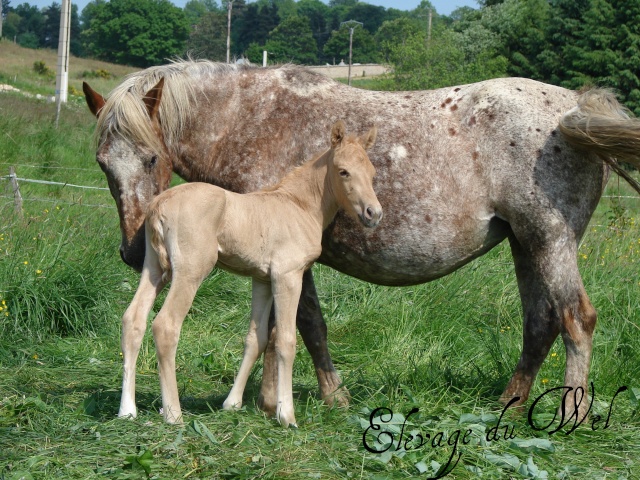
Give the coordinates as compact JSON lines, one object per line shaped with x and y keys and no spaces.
{"x":164,"y":335}
{"x":579,"y":321}
{"x":285,"y":347}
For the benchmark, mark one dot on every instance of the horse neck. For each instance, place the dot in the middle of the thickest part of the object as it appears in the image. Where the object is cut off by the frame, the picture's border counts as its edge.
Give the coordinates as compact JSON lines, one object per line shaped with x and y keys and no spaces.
{"x":309,"y":187}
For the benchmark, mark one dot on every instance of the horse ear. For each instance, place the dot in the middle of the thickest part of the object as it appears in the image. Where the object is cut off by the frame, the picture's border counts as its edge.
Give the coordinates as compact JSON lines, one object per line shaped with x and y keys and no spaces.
{"x":337,"y":133}
{"x":369,"y":138}
{"x":152,"y":99}
{"x":95,"y":101}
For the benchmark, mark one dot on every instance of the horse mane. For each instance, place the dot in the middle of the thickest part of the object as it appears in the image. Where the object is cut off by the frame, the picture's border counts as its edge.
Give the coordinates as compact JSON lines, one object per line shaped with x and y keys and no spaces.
{"x":125,"y":114}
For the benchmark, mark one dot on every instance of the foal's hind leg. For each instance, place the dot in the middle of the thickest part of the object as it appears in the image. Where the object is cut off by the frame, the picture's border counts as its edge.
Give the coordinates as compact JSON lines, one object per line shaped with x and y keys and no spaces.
{"x":255,"y":343}
{"x":313,"y":331}
{"x":134,"y":324}
{"x":554,"y":302}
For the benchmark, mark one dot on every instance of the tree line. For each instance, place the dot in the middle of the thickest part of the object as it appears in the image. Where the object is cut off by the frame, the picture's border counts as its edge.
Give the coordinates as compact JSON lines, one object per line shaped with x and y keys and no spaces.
{"x":565,"y":42}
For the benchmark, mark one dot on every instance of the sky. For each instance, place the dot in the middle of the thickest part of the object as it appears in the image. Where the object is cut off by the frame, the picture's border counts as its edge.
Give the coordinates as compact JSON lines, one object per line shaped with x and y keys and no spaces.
{"x":444,"y":7}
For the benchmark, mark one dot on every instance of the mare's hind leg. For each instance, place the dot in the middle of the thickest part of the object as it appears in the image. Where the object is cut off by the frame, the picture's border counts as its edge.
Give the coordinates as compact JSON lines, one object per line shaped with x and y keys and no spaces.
{"x":313,"y":331}
{"x":134,"y":323}
{"x":554,"y":302}
{"x":255,"y":343}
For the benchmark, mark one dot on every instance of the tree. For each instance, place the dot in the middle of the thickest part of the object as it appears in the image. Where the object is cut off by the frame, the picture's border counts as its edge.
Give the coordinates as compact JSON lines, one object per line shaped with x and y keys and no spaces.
{"x":4,"y":10}
{"x":364,"y":46}
{"x":11,"y":26}
{"x":395,"y":32}
{"x":292,"y":41}
{"x":317,"y":13}
{"x":50,"y":33}
{"x":27,"y":24}
{"x":561,"y":31}
{"x":208,"y":38}
{"x":518,"y":28}
{"x":444,"y":62}
{"x":372,"y":16}
{"x":254,"y":25}
{"x":136,"y":32}
{"x":194,"y":10}
{"x":606,"y":51}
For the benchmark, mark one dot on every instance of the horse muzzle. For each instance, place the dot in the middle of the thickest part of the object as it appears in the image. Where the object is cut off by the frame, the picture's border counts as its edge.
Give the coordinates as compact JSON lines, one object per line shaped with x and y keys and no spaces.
{"x":371,"y":216}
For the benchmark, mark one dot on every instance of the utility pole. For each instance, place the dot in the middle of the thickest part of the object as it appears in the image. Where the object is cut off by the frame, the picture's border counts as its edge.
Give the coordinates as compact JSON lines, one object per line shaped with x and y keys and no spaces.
{"x":429,"y":27}
{"x":352,"y":24}
{"x":229,"y":7}
{"x":0,"y":18}
{"x":62,"y":74}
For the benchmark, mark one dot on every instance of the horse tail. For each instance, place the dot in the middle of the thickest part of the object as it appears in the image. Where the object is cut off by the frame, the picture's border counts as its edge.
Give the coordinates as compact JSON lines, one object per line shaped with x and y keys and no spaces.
{"x":155,"y":230}
{"x":600,"y":124}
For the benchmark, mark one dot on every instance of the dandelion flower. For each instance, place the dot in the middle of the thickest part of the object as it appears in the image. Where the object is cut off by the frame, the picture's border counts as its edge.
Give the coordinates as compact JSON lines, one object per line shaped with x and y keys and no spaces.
{"x":25,"y":262}
{"x":35,"y":356}
{"x":545,"y":381}
{"x":38,"y":272}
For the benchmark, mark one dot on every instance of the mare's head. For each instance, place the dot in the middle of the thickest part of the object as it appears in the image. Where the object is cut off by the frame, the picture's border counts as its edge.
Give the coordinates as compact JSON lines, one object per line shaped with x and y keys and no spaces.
{"x":132,"y":153}
{"x":351,"y":175}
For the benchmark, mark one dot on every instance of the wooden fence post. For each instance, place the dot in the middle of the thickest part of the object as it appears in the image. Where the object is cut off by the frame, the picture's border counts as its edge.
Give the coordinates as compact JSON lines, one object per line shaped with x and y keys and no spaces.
{"x":17,"y":198}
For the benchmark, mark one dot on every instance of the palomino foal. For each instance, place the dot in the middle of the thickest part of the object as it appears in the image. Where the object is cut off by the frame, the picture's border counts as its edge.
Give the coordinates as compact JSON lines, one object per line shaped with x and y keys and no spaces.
{"x":273,"y":235}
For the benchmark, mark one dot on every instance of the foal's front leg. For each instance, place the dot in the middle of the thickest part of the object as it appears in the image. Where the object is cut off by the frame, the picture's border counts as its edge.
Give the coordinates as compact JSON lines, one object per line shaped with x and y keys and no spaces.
{"x":286,"y":294}
{"x":256,"y":341}
{"x":166,"y":333}
{"x":134,"y":324}
{"x":313,"y":331}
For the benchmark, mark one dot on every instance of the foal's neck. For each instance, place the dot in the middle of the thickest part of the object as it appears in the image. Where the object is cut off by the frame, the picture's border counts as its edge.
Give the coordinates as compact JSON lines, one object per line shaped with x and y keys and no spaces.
{"x":310,"y":188}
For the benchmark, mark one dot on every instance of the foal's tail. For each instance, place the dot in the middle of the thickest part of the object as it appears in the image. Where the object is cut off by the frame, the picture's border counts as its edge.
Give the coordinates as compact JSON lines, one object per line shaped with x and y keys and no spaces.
{"x":600,"y":124}
{"x":155,"y":231}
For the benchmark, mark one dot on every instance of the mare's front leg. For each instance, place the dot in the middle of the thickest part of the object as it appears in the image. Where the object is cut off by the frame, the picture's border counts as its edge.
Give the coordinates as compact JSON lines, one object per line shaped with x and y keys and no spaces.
{"x":256,"y":341}
{"x":134,"y":324}
{"x":286,"y":294}
{"x":313,"y":331}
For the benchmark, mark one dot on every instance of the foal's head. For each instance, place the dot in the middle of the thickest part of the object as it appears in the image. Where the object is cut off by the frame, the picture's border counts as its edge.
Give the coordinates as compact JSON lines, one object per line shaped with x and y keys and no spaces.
{"x":351,"y":175}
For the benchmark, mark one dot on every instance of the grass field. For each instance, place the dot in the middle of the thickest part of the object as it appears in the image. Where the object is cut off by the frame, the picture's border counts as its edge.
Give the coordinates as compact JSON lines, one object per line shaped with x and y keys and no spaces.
{"x":447,"y":348}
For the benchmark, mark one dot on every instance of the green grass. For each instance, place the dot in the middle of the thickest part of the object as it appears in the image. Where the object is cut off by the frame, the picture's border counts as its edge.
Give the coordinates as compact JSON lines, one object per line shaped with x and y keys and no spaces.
{"x":447,"y":347}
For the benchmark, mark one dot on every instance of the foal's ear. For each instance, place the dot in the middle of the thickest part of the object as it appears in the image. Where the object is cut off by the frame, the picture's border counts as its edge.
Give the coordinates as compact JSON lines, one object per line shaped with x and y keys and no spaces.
{"x":369,"y":138}
{"x":152,"y":99}
{"x":95,"y":101}
{"x":338,"y":132}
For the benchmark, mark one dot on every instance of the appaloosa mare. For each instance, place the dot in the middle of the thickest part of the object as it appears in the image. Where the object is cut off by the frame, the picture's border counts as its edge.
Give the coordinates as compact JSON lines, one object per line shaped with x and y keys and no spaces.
{"x":459,"y":170}
{"x":273,"y":235}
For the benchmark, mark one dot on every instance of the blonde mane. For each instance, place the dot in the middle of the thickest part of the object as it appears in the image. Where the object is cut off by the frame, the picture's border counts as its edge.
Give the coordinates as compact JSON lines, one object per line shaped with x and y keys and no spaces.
{"x":124,"y":113}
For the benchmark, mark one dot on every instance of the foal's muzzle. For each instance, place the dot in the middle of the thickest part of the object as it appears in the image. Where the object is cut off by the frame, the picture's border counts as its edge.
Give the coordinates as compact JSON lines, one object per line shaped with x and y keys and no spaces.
{"x":371,"y":216}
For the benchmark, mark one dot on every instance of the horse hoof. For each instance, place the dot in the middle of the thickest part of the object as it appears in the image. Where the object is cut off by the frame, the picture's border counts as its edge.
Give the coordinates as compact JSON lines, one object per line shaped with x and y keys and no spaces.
{"x":338,"y":398}
{"x":231,"y":406}
{"x":267,"y":406}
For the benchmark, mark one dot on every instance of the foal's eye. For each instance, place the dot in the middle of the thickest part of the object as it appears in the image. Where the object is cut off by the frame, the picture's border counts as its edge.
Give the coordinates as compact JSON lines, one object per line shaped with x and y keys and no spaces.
{"x":153,"y":161}
{"x":344,"y":173}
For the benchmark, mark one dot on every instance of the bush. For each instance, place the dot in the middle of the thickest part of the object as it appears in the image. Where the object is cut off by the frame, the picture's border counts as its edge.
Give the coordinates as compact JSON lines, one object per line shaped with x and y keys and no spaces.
{"x":100,"y":73}
{"x":41,"y":69}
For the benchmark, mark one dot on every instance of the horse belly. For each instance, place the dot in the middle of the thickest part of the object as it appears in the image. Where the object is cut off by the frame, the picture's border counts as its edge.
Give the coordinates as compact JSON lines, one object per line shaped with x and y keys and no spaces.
{"x":409,"y":252}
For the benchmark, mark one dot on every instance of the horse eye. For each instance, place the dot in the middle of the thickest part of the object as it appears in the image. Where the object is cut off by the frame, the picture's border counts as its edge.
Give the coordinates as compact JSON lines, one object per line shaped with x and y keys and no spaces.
{"x":153,"y":161}
{"x":344,"y":173}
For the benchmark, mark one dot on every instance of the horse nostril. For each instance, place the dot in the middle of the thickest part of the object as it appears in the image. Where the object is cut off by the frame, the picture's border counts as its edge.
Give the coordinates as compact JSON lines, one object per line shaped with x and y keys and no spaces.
{"x":369,"y":213}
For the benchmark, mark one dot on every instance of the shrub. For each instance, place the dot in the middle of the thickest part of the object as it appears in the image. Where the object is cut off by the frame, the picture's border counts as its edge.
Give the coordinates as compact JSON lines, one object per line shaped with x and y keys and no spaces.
{"x":41,"y":69}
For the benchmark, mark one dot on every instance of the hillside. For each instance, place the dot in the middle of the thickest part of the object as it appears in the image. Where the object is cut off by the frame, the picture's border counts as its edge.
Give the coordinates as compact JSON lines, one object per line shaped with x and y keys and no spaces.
{"x":17,"y":70}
